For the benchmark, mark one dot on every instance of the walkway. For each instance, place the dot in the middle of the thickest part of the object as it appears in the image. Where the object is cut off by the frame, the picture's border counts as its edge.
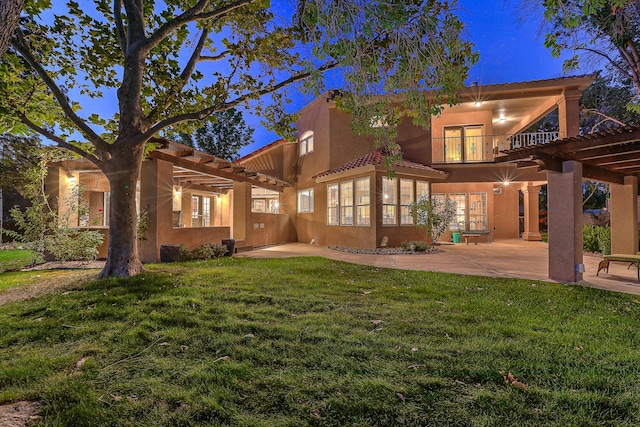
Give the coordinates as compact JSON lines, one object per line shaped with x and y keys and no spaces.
{"x":503,"y":258}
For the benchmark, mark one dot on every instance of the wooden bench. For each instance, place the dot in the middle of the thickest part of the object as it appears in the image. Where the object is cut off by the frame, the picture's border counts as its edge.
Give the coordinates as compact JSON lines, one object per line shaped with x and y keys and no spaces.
{"x":631,"y":259}
{"x":475,"y":235}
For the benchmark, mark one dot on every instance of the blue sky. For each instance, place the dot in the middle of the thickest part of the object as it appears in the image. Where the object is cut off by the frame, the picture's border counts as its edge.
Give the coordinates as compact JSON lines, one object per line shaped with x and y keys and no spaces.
{"x":509,"y":41}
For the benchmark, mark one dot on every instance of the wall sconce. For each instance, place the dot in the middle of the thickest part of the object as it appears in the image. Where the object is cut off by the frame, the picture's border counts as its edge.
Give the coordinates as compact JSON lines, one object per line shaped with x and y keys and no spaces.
{"x":71,"y":178}
{"x":477,"y":103}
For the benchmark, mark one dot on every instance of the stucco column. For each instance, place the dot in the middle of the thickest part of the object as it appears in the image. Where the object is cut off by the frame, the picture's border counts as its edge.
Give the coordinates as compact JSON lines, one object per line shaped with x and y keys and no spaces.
{"x":156,"y":196}
{"x":531,"y":212}
{"x":569,"y":114}
{"x":241,"y":210}
{"x":565,"y":223}
{"x":624,"y":216}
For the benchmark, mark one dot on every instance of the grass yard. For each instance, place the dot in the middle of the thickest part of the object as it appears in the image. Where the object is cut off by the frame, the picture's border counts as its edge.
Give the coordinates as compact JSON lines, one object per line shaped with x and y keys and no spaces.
{"x":315,"y":342}
{"x":12,"y":259}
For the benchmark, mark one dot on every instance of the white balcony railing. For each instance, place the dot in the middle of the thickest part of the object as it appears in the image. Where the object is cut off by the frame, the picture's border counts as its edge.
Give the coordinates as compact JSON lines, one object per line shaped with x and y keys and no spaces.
{"x":484,"y":148}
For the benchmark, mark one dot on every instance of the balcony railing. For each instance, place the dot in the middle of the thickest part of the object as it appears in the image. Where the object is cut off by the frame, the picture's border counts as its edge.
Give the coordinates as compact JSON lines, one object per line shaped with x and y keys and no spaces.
{"x":484,"y":148}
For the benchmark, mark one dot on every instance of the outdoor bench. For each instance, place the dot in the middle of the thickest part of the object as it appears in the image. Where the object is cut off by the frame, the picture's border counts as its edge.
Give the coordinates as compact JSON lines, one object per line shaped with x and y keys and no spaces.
{"x":475,"y":235}
{"x":631,"y":259}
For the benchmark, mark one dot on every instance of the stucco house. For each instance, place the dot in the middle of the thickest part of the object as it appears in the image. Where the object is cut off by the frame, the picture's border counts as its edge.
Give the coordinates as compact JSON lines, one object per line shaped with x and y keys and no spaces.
{"x":331,"y":187}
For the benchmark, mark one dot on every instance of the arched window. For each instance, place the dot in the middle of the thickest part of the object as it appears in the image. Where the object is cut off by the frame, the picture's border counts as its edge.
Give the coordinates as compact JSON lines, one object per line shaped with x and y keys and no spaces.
{"x":306,"y":143}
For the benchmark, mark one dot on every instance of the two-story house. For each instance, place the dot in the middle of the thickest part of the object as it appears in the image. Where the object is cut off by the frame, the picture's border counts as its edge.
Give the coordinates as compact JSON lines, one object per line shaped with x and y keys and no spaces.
{"x":341,"y":193}
{"x":331,"y":187}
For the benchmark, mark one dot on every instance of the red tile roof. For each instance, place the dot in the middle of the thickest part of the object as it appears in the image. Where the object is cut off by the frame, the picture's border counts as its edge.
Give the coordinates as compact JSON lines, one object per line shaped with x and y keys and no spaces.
{"x":377,"y":158}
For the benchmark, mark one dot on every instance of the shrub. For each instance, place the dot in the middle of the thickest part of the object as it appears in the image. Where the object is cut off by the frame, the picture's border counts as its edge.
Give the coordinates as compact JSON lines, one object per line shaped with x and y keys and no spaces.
{"x":433,"y":215}
{"x":596,"y":239}
{"x":414,"y":246}
{"x":67,"y":244}
{"x":202,"y":252}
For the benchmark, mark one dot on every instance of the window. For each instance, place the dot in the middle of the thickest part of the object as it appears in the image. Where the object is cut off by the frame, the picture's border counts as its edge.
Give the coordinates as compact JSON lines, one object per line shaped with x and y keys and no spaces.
{"x":264,"y":201}
{"x":459,"y":221}
{"x":332,"y":204}
{"x":305,"y":201}
{"x":200,"y":211}
{"x":306,"y":143}
{"x":463,"y":144}
{"x":422,"y":189}
{"x":389,"y":201}
{"x":346,"y":203}
{"x":478,"y":211}
{"x":344,"y":197}
{"x":406,"y":198}
{"x":363,"y":205}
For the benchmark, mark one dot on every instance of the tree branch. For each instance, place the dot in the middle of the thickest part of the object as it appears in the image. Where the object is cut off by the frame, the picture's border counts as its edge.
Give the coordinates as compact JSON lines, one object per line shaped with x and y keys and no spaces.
{"x":206,"y":112}
{"x":89,"y":133}
{"x":184,"y":78}
{"x":215,"y":57}
{"x":193,"y":14}
{"x":607,"y":57}
{"x":117,"y":17}
{"x":606,"y":118}
{"x":61,"y":142}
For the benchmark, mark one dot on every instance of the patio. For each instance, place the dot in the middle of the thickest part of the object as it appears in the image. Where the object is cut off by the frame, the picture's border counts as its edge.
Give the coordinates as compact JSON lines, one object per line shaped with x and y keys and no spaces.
{"x":504,"y":258}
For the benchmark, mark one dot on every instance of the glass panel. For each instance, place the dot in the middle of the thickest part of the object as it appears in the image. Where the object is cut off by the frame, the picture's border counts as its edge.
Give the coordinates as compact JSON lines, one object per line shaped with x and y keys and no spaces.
{"x":422,"y":189}
{"x":305,"y":201}
{"x":346,"y":203}
{"x":363,"y":212}
{"x":195,"y":211}
{"x":459,"y":222}
{"x":478,"y":212}
{"x":258,"y":206}
{"x":206,"y":211}
{"x":389,"y":201}
{"x":453,"y":145}
{"x":332,"y":204}
{"x":473,"y":144}
{"x":406,"y":198}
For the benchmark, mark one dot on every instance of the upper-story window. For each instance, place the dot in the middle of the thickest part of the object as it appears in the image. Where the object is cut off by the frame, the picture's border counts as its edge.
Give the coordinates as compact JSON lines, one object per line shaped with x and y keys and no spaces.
{"x":464,"y":144}
{"x":306,"y":143}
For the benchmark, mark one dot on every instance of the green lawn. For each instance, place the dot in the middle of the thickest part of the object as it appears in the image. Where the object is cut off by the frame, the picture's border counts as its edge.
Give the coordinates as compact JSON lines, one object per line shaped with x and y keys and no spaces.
{"x":11,"y":259}
{"x":315,"y":342}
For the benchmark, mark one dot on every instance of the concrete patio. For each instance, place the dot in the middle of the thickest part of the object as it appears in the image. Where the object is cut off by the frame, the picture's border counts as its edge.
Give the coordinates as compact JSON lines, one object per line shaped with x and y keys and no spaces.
{"x":503,"y":258}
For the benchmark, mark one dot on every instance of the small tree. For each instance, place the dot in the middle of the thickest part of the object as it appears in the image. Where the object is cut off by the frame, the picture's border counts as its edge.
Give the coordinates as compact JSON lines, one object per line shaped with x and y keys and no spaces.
{"x":433,"y":215}
{"x":223,"y":135}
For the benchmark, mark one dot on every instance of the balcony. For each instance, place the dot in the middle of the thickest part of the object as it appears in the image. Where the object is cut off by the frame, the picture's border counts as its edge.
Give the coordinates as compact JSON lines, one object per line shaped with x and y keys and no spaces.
{"x":484,"y":148}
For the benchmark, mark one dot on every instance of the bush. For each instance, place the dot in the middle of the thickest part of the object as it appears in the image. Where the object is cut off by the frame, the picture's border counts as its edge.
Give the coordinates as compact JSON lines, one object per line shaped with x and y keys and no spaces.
{"x":414,"y":246}
{"x":67,"y":244}
{"x":596,"y":239}
{"x":202,"y":252}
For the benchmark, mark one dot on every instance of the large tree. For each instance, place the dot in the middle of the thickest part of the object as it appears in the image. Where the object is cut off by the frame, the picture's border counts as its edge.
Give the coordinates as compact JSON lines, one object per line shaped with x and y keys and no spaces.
{"x":597,"y":32}
{"x":223,"y":135}
{"x":173,"y":63}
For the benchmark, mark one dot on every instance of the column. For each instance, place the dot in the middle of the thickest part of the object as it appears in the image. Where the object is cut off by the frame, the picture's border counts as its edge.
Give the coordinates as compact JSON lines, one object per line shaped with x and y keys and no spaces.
{"x":565,"y":223}
{"x":156,"y":196}
{"x":569,"y":114}
{"x":531,"y":213}
{"x":624,"y":216}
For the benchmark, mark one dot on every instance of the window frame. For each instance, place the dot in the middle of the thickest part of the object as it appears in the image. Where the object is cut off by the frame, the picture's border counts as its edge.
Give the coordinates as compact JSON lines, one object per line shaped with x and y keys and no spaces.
{"x":346,"y":203}
{"x":309,"y":193}
{"x":364,"y":206}
{"x":405,"y":205}
{"x":389,"y":201}
{"x":305,"y":143}
{"x":464,"y":142}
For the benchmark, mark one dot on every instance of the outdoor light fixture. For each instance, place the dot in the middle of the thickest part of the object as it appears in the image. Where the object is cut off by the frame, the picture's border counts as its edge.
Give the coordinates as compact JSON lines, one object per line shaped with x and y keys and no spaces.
{"x":506,"y":183}
{"x":477,"y":103}
{"x":502,"y":120}
{"x":71,"y":178}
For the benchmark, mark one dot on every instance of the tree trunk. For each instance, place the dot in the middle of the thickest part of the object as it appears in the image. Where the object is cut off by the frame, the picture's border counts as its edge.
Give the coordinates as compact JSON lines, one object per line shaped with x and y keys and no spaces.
{"x":9,"y":15}
{"x":123,"y":172}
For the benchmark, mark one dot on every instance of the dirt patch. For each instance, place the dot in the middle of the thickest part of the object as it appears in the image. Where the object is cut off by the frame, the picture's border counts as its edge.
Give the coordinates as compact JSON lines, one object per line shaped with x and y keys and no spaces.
{"x":39,"y":286}
{"x":19,"y":414}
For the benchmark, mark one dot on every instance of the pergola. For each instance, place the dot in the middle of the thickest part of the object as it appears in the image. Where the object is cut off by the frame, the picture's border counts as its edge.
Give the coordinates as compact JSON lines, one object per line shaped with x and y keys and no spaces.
{"x":611,"y":156}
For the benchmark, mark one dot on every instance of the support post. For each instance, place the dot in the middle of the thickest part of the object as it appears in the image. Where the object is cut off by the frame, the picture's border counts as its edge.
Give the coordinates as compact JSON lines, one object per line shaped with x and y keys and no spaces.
{"x":565,"y":223}
{"x":531,"y":213}
{"x":624,"y":216}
